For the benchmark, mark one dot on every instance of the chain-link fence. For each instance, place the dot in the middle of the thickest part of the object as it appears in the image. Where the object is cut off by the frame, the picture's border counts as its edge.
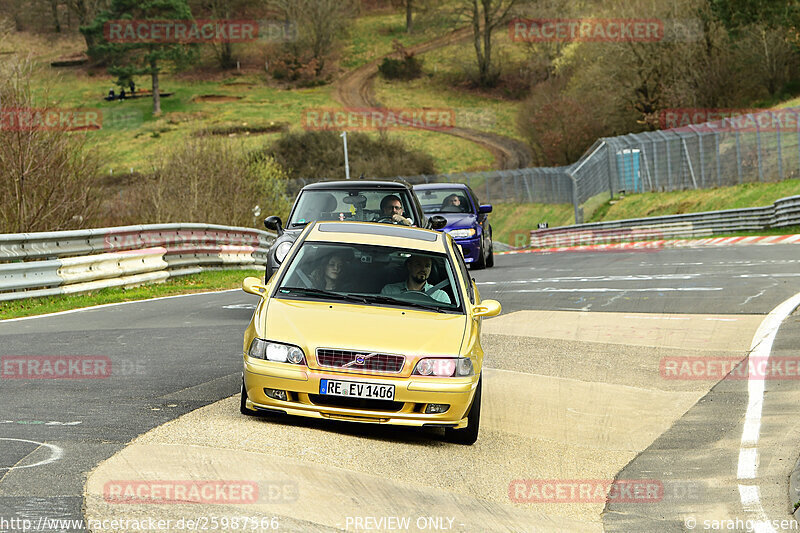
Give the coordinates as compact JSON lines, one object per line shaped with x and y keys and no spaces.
{"x":754,"y":147}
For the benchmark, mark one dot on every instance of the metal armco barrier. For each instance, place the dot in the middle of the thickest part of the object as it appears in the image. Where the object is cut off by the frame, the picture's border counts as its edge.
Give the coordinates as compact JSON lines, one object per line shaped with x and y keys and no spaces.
{"x":69,"y":262}
{"x":784,"y":212}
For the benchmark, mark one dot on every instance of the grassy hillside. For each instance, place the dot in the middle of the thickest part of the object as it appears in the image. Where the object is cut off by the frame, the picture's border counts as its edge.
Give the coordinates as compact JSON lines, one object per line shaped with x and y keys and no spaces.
{"x":511,"y":219}
{"x":205,"y":98}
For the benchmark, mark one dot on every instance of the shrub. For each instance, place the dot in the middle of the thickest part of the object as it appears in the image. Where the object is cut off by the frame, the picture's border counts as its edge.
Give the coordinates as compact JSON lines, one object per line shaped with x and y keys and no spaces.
{"x":407,"y":67}
{"x":207,"y":180}
{"x":47,"y":176}
{"x":319,"y":154}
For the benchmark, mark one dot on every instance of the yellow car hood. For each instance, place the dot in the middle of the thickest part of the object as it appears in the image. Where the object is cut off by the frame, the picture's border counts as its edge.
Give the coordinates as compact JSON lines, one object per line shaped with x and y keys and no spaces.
{"x":313,"y":325}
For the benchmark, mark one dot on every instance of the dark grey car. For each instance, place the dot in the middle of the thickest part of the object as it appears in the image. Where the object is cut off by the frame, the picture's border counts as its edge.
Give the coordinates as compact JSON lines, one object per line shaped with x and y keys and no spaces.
{"x":353,"y":200}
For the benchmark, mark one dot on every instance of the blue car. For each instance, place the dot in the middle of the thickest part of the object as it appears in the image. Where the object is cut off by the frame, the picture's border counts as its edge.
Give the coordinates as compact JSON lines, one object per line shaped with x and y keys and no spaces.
{"x":467,"y":220}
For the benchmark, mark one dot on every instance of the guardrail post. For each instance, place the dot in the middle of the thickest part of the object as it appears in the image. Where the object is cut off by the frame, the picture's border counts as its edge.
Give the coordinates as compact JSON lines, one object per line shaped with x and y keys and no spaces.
{"x":716,"y":151}
{"x":578,"y":210}
{"x":527,"y":186}
{"x":609,"y":159}
{"x":738,"y":153}
{"x":778,"y":139}
{"x":702,"y":158}
{"x":655,"y":163}
{"x":669,"y":159}
{"x":797,"y":120}
{"x":758,"y":154}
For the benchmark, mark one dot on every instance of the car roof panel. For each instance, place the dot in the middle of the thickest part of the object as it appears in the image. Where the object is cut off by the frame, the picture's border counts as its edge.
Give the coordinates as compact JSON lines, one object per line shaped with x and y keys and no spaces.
{"x":357,"y":184}
{"x":379,"y":234}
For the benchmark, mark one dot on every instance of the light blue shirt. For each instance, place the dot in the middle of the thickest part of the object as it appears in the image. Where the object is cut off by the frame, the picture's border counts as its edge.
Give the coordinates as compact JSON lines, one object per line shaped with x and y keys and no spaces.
{"x":393,"y":289}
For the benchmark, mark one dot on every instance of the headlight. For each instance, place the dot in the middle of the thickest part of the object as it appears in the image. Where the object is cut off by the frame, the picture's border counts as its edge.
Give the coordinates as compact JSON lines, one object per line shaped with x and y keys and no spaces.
{"x":281,"y":251}
{"x":275,"y":351}
{"x":462,"y":233}
{"x":444,"y":367}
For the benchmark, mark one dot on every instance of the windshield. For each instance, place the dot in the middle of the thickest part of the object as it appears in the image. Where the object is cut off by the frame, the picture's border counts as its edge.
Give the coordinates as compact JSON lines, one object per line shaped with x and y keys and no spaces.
{"x":375,"y":275}
{"x":444,"y":200}
{"x":358,"y":205}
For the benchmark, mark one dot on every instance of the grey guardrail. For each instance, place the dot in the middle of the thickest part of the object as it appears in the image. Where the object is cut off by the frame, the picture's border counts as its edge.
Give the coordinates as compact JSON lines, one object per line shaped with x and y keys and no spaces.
{"x":67,"y":262}
{"x":784,"y":212}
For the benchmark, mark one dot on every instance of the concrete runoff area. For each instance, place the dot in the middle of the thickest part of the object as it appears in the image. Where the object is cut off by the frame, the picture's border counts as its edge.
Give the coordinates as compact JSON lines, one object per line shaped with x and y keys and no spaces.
{"x":568,"y":396}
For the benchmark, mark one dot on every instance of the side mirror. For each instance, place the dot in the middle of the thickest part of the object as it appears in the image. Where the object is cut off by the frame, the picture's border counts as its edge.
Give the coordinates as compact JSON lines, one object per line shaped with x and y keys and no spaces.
{"x":274,"y":223}
{"x":485,"y":208}
{"x":438,"y":222}
{"x":487,"y":308}
{"x":253,"y":285}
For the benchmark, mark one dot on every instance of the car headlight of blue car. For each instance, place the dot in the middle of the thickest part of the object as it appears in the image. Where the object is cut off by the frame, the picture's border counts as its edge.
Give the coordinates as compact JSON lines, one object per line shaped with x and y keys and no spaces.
{"x":464,"y":233}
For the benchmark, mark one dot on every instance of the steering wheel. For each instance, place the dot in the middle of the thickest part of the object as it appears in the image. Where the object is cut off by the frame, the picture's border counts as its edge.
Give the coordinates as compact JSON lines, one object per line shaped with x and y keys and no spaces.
{"x":384,"y":220}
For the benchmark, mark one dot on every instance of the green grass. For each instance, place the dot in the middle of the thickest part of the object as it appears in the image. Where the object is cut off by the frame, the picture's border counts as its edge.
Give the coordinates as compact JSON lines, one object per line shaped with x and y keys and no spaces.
{"x":372,"y":36}
{"x":440,"y":68}
{"x":510,"y":220}
{"x":472,"y":110}
{"x":511,"y":223}
{"x":695,"y":201}
{"x":205,"y":281}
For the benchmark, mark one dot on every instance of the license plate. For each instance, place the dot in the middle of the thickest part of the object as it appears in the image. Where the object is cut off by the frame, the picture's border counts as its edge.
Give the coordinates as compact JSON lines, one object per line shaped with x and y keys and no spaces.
{"x":356,"y":389}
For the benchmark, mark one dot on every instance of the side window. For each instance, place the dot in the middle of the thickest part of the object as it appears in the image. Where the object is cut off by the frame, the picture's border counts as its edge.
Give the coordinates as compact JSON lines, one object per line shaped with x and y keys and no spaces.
{"x":462,"y":266}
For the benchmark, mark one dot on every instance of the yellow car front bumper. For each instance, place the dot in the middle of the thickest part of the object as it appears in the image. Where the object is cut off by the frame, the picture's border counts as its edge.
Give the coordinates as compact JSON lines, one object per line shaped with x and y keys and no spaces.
{"x":411,"y":395}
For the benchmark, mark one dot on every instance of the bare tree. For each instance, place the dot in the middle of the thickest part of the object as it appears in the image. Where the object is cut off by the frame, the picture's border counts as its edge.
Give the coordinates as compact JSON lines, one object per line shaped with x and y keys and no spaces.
{"x":318,"y":23}
{"x":47,"y":174}
{"x":223,"y":9}
{"x":484,"y":17}
{"x":85,"y":11}
{"x":54,"y":12}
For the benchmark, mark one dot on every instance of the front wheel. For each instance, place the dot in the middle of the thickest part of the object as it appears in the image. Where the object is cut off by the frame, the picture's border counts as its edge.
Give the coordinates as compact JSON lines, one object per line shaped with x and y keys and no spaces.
{"x":480,"y":262}
{"x":469,"y":434}
{"x":490,"y":257}
{"x":243,"y":403}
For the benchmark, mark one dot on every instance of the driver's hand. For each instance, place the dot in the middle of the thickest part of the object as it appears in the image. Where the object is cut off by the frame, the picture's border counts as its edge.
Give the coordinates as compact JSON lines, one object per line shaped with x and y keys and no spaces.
{"x":400,"y":219}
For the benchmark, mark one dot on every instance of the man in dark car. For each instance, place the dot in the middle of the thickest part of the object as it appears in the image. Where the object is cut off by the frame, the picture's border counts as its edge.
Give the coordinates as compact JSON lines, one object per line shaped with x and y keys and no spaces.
{"x":392,"y":211}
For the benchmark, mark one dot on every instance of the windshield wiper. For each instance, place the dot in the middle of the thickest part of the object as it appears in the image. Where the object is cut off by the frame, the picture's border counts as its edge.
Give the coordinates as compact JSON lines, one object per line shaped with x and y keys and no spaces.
{"x":309,"y":291}
{"x":380,"y":298}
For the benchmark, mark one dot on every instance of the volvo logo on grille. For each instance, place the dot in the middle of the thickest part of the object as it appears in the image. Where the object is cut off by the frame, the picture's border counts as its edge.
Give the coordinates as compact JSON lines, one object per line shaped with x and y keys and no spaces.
{"x":359,"y":360}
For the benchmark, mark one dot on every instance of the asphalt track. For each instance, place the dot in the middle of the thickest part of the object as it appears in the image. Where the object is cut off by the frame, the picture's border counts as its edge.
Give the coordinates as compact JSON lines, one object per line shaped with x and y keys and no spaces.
{"x":577,"y":394}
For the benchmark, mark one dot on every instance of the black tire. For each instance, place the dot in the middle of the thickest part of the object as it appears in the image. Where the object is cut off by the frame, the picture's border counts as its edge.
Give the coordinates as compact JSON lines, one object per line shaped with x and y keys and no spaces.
{"x":243,"y":403}
{"x":469,"y":434}
{"x":490,"y":257}
{"x":480,"y":262}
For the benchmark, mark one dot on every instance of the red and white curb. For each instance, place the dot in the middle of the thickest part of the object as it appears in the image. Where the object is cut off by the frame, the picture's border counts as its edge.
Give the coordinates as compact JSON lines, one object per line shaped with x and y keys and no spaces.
{"x":655,"y":245}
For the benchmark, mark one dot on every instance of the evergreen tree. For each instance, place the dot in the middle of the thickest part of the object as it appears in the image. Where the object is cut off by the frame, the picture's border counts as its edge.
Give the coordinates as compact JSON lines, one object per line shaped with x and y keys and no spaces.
{"x":138,"y":57}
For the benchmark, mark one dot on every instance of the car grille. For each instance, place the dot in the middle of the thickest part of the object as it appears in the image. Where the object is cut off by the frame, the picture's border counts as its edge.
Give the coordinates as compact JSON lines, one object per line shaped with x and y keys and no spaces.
{"x":360,"y":360}
{"x":355,"y":403}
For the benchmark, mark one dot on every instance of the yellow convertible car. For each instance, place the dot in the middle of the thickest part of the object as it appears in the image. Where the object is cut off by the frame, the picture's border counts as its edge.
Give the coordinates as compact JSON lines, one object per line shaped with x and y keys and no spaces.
{"x":368,"y":323}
